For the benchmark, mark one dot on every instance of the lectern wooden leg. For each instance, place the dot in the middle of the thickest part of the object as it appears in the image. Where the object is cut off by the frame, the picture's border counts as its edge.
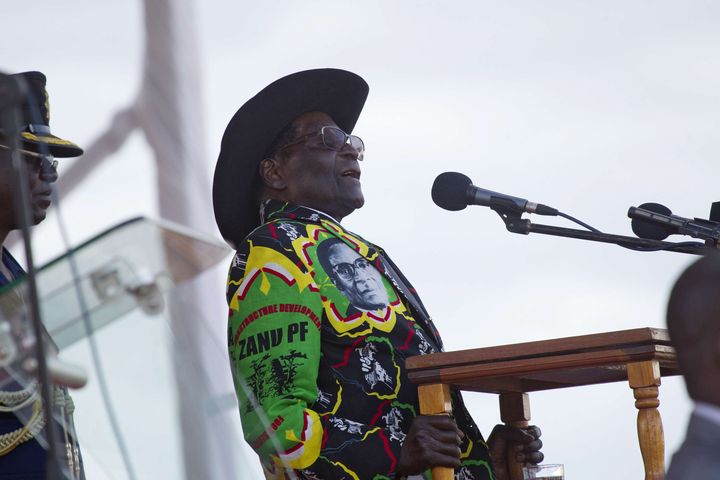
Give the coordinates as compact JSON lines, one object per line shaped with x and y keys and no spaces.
{"x":515,"y":411}
{"x":435,"y":400}
{"x":644,"y":379}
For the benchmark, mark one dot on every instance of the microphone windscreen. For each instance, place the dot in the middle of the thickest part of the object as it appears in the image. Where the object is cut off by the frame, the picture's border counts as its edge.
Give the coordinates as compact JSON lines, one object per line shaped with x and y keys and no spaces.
{"x":652,"y":231}
{"x":449,"y":190}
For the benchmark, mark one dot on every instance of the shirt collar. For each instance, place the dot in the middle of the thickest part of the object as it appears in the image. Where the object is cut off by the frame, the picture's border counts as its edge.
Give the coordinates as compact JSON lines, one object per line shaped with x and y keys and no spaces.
{"x":708,"y":412}
{"x":274,"y":209}
{"x":277,"y":210}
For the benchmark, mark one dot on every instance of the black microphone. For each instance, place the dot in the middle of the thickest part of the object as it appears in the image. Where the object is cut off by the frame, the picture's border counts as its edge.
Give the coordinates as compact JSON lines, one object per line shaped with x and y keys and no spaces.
{"x":455,"y":191}
{"x":656,"y":222}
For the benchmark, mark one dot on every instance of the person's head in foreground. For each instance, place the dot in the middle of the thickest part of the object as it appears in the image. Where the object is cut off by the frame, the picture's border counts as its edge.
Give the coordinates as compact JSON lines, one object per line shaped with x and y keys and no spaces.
{"x":30,"y":139}
{"x":693,"y":320}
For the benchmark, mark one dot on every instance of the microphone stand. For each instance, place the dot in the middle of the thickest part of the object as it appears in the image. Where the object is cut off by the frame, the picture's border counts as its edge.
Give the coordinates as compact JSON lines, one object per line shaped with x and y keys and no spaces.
{"x":9,"y":118}
{"x":516,"y":224}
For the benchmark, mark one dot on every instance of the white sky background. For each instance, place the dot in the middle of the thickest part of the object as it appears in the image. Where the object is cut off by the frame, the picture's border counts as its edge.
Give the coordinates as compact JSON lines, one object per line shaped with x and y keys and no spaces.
{"x":590,"y":107}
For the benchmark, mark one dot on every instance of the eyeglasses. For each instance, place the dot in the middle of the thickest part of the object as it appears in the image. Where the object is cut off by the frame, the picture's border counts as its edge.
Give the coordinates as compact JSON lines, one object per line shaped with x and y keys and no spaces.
{"x":34,"y":160}
{"x":333,"y":138}
{"x":347,"y":271}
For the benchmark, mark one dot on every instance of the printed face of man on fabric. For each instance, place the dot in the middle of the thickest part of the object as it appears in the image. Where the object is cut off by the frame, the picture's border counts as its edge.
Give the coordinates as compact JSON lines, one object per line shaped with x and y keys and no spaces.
{"x":355,"y":277}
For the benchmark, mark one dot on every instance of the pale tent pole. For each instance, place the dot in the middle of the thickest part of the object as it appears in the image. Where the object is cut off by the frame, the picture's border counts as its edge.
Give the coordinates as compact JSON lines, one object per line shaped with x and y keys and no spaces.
{"x":169,"y":111}
{"x":122,"y":125}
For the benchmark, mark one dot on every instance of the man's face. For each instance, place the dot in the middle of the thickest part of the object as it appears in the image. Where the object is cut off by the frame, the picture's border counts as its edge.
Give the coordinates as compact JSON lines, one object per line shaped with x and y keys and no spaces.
{"x":40,"y":176}
{"x":359,"y":281}
{"x":318,"y":177}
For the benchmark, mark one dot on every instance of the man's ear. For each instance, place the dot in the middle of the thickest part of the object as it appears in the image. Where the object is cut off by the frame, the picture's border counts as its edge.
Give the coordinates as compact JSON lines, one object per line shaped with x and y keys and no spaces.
{"x":271,"y":173}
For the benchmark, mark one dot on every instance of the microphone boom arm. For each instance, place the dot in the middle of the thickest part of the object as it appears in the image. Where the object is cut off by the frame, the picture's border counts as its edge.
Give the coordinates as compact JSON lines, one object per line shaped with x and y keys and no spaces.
{"x":516,"y":224}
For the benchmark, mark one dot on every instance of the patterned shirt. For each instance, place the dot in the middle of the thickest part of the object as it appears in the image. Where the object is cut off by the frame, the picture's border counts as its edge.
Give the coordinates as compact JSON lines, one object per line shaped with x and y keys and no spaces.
{"x":320,"y":324}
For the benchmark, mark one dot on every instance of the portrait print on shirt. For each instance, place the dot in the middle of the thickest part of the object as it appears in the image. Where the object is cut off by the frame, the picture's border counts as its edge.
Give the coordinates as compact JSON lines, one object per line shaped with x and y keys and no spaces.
{"x":359,"y":281}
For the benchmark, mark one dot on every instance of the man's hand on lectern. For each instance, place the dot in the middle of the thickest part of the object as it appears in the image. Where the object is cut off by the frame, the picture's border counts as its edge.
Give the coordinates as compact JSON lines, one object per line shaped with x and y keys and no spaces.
{"x":432,"y":441}
{"x":527,"y":447}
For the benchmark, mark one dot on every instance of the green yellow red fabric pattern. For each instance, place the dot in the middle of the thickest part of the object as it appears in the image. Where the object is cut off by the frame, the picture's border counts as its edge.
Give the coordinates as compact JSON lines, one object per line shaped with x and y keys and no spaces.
{"x":320,"y":324}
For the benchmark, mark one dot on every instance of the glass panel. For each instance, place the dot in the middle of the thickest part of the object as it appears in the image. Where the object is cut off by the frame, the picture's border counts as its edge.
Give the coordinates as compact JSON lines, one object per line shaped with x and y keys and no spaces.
{"x":124,"y":273}
{"x":122,"y":268}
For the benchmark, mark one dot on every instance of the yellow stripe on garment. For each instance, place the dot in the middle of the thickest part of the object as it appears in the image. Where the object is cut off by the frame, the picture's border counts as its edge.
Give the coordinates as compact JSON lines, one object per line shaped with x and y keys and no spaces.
{"x":44,"y":139}
{"x":310,"y":451}
{"x":466,"y":453}
{"x":369,"y":432}
{"x":261,"y":257}
{"x":347,"y":470}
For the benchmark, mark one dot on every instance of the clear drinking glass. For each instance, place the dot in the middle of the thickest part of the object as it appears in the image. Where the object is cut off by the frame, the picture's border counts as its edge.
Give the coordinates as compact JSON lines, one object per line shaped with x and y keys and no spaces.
{"x":544,"y":472}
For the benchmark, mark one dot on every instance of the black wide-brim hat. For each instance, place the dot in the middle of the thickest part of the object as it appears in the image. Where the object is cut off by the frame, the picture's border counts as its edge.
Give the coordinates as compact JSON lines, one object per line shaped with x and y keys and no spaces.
{"x":252,"y":130}
{"x":34,"y":113}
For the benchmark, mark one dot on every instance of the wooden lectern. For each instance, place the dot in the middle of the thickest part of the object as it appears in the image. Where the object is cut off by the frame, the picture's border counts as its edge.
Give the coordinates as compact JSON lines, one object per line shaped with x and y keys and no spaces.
{"x":640,"y":356}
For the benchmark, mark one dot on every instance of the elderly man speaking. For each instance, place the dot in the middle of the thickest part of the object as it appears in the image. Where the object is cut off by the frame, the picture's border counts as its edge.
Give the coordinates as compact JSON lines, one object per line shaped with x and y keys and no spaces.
{"x":318,"y":353}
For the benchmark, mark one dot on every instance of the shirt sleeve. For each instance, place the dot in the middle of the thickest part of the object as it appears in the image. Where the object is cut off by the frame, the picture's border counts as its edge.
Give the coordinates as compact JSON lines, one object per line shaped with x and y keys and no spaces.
{"x":274,"y":346}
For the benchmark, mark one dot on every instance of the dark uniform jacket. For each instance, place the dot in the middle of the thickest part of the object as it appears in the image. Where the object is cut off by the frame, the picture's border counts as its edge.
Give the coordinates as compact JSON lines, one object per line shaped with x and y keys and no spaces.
{"x":27,"y":461}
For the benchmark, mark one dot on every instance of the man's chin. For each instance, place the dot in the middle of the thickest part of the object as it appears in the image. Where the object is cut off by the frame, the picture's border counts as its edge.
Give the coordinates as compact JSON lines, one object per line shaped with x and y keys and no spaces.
{"x":350,"y":206}
{"x":357,"y":203}
{"x":38,"y":216}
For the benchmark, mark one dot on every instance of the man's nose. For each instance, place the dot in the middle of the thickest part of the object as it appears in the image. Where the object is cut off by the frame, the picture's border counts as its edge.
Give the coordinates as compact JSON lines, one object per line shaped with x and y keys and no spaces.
{"x":361,"y":275}
{"x":48,"y":173}
{"x":350,"y":153}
